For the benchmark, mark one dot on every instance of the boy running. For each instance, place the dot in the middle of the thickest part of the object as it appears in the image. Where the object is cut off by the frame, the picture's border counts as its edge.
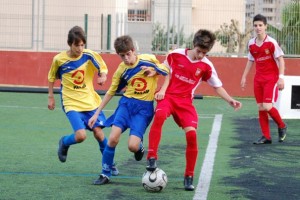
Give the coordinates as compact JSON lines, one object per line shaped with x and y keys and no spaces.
{"x":76,"y":68}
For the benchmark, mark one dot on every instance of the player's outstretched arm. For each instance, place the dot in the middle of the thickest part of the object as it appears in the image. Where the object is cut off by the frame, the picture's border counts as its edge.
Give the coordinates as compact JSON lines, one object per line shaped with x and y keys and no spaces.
{"x":107,"y":97}
{"x":232,"y":102}
{"x":51,"y":100}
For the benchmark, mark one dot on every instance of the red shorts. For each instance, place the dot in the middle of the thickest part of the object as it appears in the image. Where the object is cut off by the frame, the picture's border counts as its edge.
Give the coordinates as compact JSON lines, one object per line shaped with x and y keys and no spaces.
{"x":265,"y":91}
{"x":182,"y":110}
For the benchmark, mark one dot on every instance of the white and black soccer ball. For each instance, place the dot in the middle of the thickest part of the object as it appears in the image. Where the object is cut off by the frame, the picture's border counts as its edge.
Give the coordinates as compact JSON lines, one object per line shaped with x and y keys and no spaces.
{"x":154,"y":181}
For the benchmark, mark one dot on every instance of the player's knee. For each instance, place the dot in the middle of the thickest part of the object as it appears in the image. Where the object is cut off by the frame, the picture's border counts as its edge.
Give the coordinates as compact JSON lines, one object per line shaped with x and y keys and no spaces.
{"x":80,"y":136}
{"x":112,"y":142}
{"x":133,"y":148}
{"x":98,"y":134}
{"x":160,"y":115}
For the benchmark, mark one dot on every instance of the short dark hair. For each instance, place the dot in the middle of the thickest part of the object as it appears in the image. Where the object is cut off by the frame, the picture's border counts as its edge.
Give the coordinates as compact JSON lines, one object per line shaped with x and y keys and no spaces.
{"x":204,"y":39}
{"x":76,"y":34}
{"x":123,"y":44}
{"x":261,"y":18}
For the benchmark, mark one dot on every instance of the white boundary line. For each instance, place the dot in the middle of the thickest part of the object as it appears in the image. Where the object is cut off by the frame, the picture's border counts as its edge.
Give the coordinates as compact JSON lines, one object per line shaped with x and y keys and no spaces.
{"x":208,"y":163}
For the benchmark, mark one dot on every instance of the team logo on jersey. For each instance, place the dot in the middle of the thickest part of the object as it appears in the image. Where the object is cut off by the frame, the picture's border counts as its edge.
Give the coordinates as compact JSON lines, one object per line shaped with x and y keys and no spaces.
{"x":140,"y":86}
{"x":78,"y":76}
{"x":198,"y":71}
{"x":267,"y":51}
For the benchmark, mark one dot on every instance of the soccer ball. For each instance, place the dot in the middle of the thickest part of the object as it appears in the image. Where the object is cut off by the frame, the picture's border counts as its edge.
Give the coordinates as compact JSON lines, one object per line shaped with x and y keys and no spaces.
{"x":155,"y":181}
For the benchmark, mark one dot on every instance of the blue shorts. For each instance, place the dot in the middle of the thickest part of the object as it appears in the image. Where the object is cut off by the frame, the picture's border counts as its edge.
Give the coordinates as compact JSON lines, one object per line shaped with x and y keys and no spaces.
{"x":134,"y":114}
{"x":79,"y":120}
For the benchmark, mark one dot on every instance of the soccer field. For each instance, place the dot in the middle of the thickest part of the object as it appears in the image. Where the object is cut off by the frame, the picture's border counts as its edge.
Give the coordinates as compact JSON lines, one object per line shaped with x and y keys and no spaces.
{"x":229,"y":166}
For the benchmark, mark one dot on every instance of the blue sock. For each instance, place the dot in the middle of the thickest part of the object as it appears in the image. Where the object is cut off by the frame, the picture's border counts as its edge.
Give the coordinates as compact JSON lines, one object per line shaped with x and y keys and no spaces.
{"x":102,"y":145}
{"x":69,"y":139}
{"x":107,"y":160}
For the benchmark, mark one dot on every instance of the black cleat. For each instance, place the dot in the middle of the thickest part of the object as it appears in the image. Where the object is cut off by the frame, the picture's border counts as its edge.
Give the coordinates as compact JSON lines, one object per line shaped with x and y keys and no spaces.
{"x":151,"y":164}
{"x":282,"y":133}
{"x":140,"y":153}
{"x":62,"y":151}
{"x":102,"y":180}
{"x":188,"y":183}
{"x":263,"y":140}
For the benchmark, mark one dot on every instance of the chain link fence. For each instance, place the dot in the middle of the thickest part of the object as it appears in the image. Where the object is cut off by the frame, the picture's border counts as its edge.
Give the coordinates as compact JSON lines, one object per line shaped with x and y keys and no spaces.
{"x":155,"y":25}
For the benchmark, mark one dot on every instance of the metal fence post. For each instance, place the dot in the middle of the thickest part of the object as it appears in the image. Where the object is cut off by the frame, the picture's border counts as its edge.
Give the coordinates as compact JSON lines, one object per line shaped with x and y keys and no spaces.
{"x":86,"y":27}
{"x":108,"y":31}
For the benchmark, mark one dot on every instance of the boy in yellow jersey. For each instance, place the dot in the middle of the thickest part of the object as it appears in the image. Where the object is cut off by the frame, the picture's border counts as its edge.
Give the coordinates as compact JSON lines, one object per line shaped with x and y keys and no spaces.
{"x":135,"y":110}
{"x":76,"y":68}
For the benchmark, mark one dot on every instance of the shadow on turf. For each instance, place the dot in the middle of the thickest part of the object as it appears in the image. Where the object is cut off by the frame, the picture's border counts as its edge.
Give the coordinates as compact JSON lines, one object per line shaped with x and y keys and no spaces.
{"x":265,"y":171}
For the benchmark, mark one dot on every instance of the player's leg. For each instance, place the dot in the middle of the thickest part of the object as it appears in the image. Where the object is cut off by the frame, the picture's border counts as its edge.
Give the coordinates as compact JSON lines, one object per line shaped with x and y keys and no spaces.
{"x":100,"y":136}
{"x":108,"y":155}
{"x":271,"y":94}
{"x":162,"y":112}
{"x":78,"y":136}
{"x":186,"y":116}
{"x":191,"y":155}
{"x":135,"y":145}
{"x":102,"y":141}
{"x":263,"y":118}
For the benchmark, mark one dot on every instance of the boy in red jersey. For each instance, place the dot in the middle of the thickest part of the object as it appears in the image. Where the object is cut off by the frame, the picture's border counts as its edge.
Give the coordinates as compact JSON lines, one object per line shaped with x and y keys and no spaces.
{"x":188,"y":67}
{"x":268,"y":57}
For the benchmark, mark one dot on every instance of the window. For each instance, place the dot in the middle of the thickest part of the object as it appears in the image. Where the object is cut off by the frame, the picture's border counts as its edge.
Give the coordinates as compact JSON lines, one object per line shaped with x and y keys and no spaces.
{"x":137,"y":15}
{"x":268,"y":1}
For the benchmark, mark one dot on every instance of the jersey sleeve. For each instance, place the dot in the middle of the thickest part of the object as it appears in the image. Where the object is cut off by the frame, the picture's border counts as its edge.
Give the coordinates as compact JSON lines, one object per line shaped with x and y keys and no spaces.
{"x":160,"y":68}
{"x":250,"y":57}
{"x":99,"y":63}
{"x":211,"y":76}
{"x":52,"y":74}
{"x":277,"y":51}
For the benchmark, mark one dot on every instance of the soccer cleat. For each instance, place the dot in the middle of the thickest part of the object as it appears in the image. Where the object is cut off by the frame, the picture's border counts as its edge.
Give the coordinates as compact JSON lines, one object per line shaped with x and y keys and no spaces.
{"x":62,"y":151}
{"x":282,"y":134}
{"x":140,"y":153}
{"x":263,"y":140}
{"x":114,"y":170}
{"x":102,"y":180}
{"x":188,"y":183}
{"x":151,"y":165}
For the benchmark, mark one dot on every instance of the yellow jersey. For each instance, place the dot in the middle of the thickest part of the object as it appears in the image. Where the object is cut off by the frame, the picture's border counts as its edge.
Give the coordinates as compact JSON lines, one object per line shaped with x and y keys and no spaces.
{"x":132,"y":78}
{"x":76,"y":75}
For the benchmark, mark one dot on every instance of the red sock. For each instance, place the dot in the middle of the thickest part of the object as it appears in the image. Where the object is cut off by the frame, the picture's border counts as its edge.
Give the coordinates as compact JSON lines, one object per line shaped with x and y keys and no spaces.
{"x":155,"y":134}
{"x":264,"y":123}
{"x":191,"y":152}
{"x":276,"y":117}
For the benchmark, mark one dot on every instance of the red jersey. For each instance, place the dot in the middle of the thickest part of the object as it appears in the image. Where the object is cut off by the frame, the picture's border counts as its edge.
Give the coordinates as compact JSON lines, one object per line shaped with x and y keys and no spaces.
{"x":265,"y":57}
{"x":187,"y":74}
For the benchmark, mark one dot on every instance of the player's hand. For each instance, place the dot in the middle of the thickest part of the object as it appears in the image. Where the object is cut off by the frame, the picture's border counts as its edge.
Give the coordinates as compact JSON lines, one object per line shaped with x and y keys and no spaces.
{"x":236,"y":104}
{"x":51,"y":103}
{"x":148,"y":71}
{"x":280,"y":84}
{"x":159,"y":95}
{"x":243,"y":83}
{"x":101,"y":79}
{"x":92,"y":121}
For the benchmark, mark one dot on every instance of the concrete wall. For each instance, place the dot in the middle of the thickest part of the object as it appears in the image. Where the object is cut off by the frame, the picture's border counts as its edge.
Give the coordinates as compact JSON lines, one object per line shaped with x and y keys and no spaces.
{"x":31,"y":69}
